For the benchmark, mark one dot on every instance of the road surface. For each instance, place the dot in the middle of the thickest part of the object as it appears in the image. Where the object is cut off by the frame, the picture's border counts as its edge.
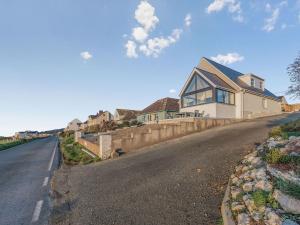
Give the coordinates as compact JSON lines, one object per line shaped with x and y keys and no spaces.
{"x":25,"y":173}
{"x":178,"y":182}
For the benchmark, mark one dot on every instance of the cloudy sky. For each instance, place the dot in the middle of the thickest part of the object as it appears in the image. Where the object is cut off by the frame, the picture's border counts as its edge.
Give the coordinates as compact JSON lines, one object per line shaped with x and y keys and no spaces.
{"x":66,"y":59}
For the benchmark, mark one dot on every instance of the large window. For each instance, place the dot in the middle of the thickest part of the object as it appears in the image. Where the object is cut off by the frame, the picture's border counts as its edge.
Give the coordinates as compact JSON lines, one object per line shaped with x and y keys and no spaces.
{"x":189,"y":100}
{"x":197,"y":92}
{"x":225,"y":97}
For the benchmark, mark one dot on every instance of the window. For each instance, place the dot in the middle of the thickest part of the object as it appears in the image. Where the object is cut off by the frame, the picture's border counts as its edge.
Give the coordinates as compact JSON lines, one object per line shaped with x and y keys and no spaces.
{"x":252,"y":82}
{"x":204,"y":97}
{"x":265,"y":103}
{"x":225,"y":97}
{"x":192,"y":86}
{"x":260,"y":85}
{"x":196,"y":84}
{"x":189,"y":100}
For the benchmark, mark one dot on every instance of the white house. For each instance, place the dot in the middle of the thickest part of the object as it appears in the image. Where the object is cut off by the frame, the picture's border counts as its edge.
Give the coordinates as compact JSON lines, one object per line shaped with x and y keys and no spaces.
{"x":74,"y":125}
{"x":220,"y":92}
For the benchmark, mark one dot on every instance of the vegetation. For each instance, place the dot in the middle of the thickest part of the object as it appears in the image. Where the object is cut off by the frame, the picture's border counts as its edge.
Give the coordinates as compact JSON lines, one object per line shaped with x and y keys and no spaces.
{"x":287,"y":130}
{"x":72,"y":152}
{"x":288,"y":188}
{"x":294,"y":74}
{"x":263,"y":198}
{"x":12,"y":143}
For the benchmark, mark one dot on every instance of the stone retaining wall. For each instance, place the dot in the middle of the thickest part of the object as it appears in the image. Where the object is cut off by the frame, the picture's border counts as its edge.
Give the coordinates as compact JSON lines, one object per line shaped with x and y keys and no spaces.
{"x":133,"y":138}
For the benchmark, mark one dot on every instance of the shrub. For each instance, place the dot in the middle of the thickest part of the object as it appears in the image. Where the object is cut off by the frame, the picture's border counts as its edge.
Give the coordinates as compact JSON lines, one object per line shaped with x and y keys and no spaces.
{"x":291,"y":126}
{"x":275,"y":132}
{"x":260,"y":198}
{"x":273,"y":156}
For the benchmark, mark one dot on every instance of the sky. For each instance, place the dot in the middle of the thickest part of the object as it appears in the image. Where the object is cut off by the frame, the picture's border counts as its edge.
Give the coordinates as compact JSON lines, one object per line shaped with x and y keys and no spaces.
{"x":66,"y":59}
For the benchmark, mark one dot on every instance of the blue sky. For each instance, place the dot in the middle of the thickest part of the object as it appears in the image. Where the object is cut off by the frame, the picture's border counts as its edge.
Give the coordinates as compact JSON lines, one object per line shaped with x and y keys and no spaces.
{"x":66,"y":59}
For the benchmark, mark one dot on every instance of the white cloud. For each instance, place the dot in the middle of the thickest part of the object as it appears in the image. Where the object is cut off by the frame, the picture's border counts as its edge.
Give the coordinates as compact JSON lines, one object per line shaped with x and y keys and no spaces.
{"x":270,"y":22}
{"x":188,"y":20}
{"x":145,"y":15}
{"x":172,"y":91}
{"x":154,"y":46}
{"x":86,"y":55}
{"x":131,"y":49}
{"x":139,"y":41}
{"x":139,"y":34}
{"x":233,"y":6}
{"x":228,"y":59}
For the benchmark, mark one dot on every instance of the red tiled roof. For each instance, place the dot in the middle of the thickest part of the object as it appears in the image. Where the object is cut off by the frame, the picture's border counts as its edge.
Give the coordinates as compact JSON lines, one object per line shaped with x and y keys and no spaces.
{"x":165,"y":104}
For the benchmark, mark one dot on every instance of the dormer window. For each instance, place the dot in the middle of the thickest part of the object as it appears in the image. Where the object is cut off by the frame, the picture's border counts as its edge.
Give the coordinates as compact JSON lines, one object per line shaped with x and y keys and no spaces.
{"x":252,"y":82}
{"x":260,"y":85}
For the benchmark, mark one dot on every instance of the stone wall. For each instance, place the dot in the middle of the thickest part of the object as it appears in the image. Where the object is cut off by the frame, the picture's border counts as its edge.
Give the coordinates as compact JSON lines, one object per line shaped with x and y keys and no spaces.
{"x":133,"y":138}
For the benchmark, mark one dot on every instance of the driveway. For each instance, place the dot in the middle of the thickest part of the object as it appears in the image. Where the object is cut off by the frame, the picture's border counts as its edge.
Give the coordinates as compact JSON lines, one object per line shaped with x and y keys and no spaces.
{"x":177,"y":182}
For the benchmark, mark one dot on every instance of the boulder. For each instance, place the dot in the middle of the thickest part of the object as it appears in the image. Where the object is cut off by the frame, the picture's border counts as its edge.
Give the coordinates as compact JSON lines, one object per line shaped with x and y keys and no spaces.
{"x":243,"y":219}
{"x":264,"y":185}
{"x":237,"y":207}
{"x":236,"y":181}
{"x":289,"y":222}
{"x":288,"y":203}
{"x":258,"y":174}
{"x":235,"y":192}
{"x":272,"y":218}
{"x":248,"y":187}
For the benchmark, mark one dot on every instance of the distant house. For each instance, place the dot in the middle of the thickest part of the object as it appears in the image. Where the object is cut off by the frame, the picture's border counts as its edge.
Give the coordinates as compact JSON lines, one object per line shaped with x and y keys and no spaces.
{"x":125,"y":115}
{"x":26,"y":134}
{"x":83,"y":126}
{"x":74,"y":125}
{"x":217,"y":91}
{"x":99,"y":118}
{"x":165,"y":108}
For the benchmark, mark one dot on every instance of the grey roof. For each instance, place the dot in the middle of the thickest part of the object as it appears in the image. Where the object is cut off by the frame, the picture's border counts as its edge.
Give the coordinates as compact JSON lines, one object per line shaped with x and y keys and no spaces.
{"x":215,"y":79}
{"x":233,"y":75}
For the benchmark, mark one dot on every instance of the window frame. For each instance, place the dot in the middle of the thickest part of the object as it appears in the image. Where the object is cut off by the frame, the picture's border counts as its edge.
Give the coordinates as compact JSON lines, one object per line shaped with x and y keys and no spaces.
{"x":219,"y":89}
{"x":209,"y":87}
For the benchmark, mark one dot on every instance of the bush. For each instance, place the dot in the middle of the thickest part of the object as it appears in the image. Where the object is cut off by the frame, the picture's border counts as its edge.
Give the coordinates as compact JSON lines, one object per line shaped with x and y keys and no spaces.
{"x":260,"y":198}
{"x":291,"y":126}
{"x":275,"y":132}
{"x":273,"y":156}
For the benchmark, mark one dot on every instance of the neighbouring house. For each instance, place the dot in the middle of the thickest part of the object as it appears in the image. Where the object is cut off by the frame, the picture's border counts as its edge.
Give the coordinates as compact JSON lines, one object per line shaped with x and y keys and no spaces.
{"x":125,"y":115}
{"x":74,"y":125}
{"x":217,"y":91}
{"x":99,"y":118}
{"x":26,"y":134}
{"x":165,"y":108}
{"x":83,"y":125}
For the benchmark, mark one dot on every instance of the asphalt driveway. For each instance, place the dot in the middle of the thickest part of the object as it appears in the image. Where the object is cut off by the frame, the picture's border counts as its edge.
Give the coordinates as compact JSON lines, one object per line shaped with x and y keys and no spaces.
{"x":177,"y":182}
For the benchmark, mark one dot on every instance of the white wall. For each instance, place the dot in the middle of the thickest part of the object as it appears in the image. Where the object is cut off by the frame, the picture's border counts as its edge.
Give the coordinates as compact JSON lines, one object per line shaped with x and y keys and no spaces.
{"x":209,"y":109}
{"x":254,"y":107}
{"x":226,"y":111}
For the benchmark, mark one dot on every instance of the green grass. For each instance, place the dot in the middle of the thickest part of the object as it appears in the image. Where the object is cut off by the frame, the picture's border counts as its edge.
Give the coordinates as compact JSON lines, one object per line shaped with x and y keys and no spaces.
{"x":288,"y":188}
{"x":286,"y":130}
{"x":6,"y":145}
{"x":263,"y":198}
{"x":72,"y":152}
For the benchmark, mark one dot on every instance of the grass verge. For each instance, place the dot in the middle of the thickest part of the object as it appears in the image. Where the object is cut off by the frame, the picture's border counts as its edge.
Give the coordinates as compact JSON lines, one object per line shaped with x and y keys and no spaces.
{"x":4,"y":146}
{"x":72,"y":153}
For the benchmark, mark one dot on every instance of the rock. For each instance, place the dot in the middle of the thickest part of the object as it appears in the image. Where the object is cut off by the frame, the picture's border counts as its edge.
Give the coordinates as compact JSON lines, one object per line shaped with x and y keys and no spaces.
{"x":289,"y":222}
{"x":288,"y":203}
{"x":272,"y":218}
{"x":291,"y":138}
{"x":245,"y":168}
{"x":236,"y":181}
{"x":243,"y":219}
{"x":247,"y":187}
{"x":238,"y":169}
{"x":235,"y":192}
{"x":237,"y":207}
{"x":257,"y":216}
{"x":259,"y":174}
{"x":271,"y":143}
{"x":288,"y":176}
{"x":256,"y":162}
{"x":249,"y":203}
{"x":264,"y":185}
{"x":260,"y":148}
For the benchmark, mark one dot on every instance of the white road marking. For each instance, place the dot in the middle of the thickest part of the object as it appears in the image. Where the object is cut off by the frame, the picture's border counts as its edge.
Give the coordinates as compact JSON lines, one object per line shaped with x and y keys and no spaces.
{"x":37,"y":211}
{"x":45,"y":183}
{"x":52,"y":158}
